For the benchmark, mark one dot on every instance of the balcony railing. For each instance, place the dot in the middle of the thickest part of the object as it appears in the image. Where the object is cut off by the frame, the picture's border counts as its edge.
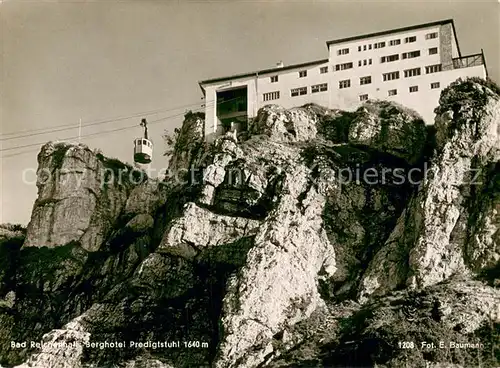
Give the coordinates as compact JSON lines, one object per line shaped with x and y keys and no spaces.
{"x":468,"y":61}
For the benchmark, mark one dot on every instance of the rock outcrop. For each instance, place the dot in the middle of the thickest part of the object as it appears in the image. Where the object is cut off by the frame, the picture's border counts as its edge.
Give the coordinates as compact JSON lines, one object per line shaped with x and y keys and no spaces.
{"x":450,"y":226}
{"x":186,"y":143}
{"x":387,"y":127}
{"x":80,"y":195}
{"x":320,"y":238}
{"x":292,"y":125}
{"x":199,"y":228}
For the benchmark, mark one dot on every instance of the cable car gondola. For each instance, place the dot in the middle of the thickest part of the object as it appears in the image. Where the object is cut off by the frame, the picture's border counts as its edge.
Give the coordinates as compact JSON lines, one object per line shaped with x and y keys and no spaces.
{"x":143,"y":147}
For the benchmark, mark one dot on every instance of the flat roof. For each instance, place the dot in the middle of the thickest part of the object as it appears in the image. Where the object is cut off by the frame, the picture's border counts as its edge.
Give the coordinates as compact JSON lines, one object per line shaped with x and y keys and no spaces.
{"x":394,"y":30}
{"x":263,"y":71}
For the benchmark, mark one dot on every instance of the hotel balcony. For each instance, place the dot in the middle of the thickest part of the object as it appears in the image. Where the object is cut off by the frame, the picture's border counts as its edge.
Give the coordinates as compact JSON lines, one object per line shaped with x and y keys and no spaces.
{"x":468,"y":61}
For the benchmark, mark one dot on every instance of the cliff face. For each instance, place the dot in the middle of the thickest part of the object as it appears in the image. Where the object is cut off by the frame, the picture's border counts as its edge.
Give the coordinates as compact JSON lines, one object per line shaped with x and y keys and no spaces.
{"x":450,"y":226}
{"x":322,"y":238}
{"x":81,"y":195}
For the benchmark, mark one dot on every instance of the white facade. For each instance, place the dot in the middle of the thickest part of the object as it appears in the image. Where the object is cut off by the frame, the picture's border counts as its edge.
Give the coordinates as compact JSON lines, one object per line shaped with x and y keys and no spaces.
{"x":335,"y":83}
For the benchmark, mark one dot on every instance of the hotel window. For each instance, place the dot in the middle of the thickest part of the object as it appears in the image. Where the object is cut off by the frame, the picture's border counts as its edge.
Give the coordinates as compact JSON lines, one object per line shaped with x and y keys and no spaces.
{"x":323,"y":70}
{"x":274,"y":79}
{"x":394,"y":42}
{"x":363,"y":97}
{"x":343,"y":51}
{"x":271,"y":96}
{"x":343,"y":66}
{"x":390,"y":76}
{"x":359,"y":48}
{"x":369,"y":46}
{"x":413,"y":89}
{"x":298,"y":91}
{"x":434,"y":85}
{"x":344,"y":83}
{"x":364,"y":47}
{"x":393,"y":92}
{"x":365,"y":80}
{"x":319,"y":88}
{"x":432,"y":69}
{"x":412,"y":72}
{"x":433,"y":50}
{"x":411,"y":54}
{"x":389,"y":58}
{"x":365,"y":62}
{"x":410,"y":39}
{"x":379,"y":45}
{"x":303,"y":74}
{"x":430,"y":36}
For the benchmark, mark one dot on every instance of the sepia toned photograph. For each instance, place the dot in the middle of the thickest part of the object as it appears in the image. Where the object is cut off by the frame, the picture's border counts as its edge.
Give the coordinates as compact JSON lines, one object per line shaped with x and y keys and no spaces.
{"x":249,"y":184}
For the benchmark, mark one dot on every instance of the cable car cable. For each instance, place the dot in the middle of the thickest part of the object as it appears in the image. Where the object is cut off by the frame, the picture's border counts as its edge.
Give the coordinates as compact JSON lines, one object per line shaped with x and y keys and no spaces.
{"x":105,"y":132}
{"x":59,"y":128}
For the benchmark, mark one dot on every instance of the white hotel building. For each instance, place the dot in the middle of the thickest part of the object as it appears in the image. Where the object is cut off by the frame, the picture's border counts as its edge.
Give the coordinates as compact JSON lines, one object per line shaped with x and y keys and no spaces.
{"x":409,"y":65}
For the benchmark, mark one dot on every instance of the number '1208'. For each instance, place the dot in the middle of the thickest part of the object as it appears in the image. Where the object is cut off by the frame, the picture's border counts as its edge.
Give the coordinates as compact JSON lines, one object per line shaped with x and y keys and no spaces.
{"x":406,"y":344}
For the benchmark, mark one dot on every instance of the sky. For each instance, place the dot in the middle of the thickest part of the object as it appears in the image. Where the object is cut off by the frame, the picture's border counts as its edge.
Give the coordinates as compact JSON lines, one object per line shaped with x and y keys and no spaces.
{"x":119,"y":61}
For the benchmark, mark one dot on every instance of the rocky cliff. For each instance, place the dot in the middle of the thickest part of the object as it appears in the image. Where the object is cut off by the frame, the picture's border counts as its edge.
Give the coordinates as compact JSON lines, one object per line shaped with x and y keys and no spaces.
{"x":319,"y":238}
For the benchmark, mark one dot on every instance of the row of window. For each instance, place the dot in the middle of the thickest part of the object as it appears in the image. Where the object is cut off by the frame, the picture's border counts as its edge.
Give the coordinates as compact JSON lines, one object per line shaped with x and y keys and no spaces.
{"x":275,"y":95}
{"x":432,"y":35}
{"x":302,"y":74}
{"x":298,"y":91}
{"x":412,"y":89}
{"x":395,"y":75}
{"x":410,"y":54}
{"x":343,"y":66}
{"x":389,"y":58}
{"x":412,"y":72}
{"x":433,"y":68}
{"x":394,"y":92}
{"x":365,"y":62}
{"x":346,"y":83}
{"x":408,"y":73}
{"x":343,"y":51}
{"x":350,"y":65}
{"x":367,"y":80}
{"x":314,"y":89}
{"x":385,"y":59}
{"x":407,"y":55}
{"x":394,"y":42}
{"x":319,"y":88}
{"x":271,"y":96}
